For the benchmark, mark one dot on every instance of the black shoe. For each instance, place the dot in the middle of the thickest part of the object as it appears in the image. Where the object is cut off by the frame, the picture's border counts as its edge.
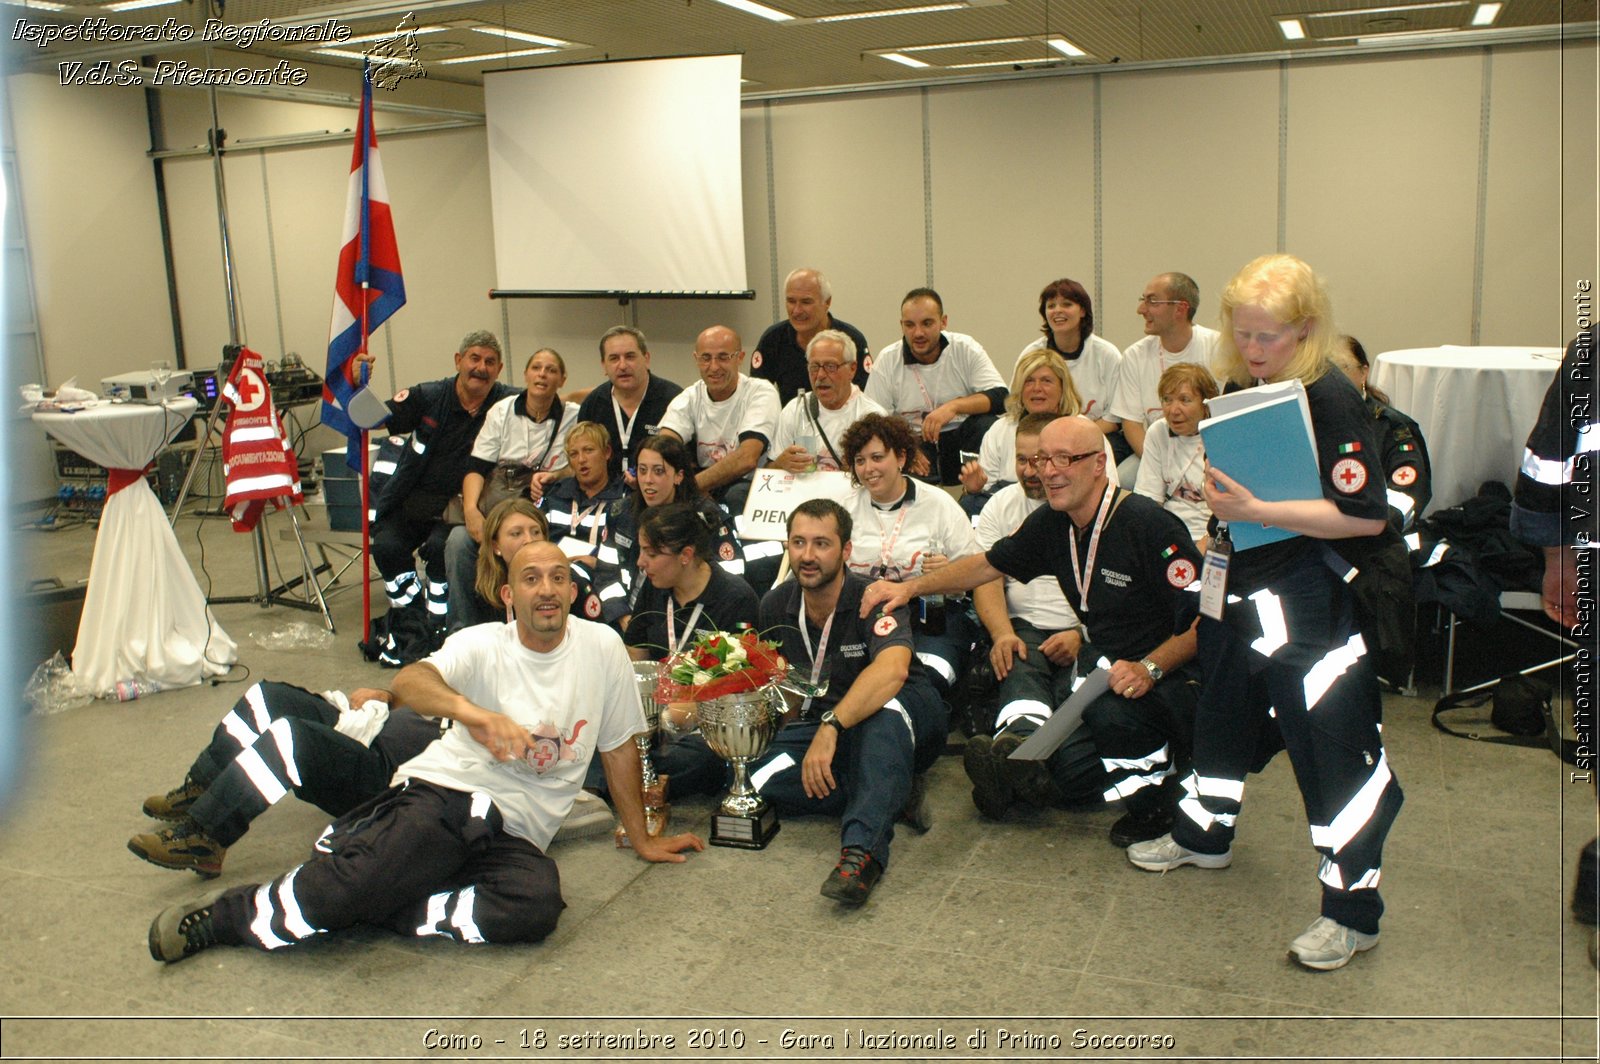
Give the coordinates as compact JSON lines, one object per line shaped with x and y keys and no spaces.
{"x":917,"y":813}
{"x":852,"y":879}
{"x":183,"y":930}
{"x":991,"y":783}
{"x":1133,"y":828}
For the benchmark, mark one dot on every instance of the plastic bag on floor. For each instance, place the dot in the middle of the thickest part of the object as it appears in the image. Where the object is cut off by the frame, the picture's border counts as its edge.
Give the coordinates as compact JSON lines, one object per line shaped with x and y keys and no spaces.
{"x":292,"y":635}
{"x":53,"y":688}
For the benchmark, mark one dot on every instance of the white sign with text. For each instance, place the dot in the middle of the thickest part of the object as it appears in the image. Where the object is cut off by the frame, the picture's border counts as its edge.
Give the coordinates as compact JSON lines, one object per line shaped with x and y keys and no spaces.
{"x":774,"y":493}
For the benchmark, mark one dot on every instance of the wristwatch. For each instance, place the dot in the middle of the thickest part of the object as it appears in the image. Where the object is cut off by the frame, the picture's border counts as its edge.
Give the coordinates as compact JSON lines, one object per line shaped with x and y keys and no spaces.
{"x":1155,"y":671}
{"x":829,"y":719}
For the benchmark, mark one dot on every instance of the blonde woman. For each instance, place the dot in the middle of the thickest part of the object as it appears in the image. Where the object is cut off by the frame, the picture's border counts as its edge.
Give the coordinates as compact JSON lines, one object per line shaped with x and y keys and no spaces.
{"x":1285,"y":667}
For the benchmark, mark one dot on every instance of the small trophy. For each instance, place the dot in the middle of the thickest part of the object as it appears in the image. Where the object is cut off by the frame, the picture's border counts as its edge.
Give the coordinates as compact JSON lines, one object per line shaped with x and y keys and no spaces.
{"x":739,"y":728}
{"x":654,"y":787}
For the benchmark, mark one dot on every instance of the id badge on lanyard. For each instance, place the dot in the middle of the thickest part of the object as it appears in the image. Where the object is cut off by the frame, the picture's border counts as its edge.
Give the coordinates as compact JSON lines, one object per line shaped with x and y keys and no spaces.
{"x":1214,"y":579}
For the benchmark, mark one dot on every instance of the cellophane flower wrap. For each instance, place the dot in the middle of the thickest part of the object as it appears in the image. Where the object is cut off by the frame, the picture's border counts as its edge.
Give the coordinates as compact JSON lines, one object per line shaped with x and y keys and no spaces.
{"x":718,"y":664}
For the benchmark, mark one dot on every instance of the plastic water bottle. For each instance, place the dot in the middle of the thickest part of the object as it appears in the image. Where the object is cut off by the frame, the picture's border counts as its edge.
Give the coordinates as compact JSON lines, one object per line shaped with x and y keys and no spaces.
{"x":128,"y":690}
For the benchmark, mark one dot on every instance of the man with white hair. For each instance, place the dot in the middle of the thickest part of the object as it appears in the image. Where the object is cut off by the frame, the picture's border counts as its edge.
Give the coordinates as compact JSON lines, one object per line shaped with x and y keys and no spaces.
{"x":780,"y":355}
{"x":812,"y":423}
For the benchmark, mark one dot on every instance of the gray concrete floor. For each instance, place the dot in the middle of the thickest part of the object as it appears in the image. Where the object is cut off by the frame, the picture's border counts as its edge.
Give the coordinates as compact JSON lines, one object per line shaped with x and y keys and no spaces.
{"x":1019,"y":932}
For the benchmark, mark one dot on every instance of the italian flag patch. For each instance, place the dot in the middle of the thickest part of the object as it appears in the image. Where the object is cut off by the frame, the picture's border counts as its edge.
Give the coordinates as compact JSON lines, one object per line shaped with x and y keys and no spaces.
{"x":1169,"y":552}
{"x":1350,"y":448}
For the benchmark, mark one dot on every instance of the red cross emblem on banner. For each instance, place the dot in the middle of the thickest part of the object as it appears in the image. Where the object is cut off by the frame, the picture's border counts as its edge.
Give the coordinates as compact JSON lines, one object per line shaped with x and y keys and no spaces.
{"x":252,"y":392}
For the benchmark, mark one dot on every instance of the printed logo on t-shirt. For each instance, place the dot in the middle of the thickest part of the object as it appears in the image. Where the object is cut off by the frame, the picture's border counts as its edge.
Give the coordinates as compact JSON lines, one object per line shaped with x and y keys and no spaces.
{"x":1114,"y":578}
{"x":1180,"y":573}
{"x":884,"y":625}
{"x":1349,"y":476}
{"x":1405,"y":476}
{"x":853,"y":650}
{"x":550,"y":749}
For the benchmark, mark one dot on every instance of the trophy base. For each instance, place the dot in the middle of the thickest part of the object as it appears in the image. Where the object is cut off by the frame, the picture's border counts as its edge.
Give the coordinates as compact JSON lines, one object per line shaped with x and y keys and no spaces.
{"x":744,"y":832}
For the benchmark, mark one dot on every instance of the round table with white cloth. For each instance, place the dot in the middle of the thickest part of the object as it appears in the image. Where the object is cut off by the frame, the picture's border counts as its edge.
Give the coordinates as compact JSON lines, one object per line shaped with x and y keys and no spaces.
{"x":1475,"y":406}
{"x":144,"y":616}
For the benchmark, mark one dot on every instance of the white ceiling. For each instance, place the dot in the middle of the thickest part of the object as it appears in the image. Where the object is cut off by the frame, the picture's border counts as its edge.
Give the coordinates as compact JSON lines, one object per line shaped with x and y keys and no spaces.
{"x":805,"y":53}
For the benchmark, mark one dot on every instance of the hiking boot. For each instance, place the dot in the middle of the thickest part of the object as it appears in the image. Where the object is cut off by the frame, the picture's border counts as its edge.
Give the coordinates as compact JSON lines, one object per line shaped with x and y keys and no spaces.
{"x":174,"y":805}
{"x":985,"y":766}
{"x":1163,"y":855}
{"x":917,"y":813}
{"x":852,"y":879}
{"x":1328,"y":944}
{"x":1134,"y":828}
{"x":184,"y":845}
{"x":183,"y":930}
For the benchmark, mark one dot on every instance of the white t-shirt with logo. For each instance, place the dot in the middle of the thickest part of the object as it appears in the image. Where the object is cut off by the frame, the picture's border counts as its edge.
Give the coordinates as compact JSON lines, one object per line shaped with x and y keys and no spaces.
{"x":1173,"y":474}
{"x":575,"y":700}
{"x":891,"y":544}
{"x":1145,"y":361}
{"x":717,"y":428}
{"x":913,"y":390}
{"x":795,"y":426}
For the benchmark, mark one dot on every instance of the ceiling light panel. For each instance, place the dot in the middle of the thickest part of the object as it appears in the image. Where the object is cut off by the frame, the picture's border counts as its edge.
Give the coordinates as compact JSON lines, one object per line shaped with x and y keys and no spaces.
{"x":750,"y":7}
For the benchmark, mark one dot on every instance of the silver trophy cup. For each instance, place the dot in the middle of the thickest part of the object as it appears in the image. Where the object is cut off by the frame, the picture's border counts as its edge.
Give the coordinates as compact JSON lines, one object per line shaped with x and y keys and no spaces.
{"x":645,"y":674}
{"x":739,"y":728}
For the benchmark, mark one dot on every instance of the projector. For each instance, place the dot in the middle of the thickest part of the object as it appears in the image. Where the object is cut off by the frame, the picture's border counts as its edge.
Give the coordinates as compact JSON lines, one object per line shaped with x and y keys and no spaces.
{"x":141,"y":386}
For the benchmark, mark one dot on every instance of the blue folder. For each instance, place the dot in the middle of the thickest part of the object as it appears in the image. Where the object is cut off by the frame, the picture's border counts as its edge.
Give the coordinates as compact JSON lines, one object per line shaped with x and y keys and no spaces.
{"x":1262,"y":438}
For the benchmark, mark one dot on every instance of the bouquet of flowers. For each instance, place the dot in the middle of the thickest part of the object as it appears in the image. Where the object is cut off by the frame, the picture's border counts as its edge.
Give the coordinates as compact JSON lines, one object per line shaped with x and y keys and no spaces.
{"x":720,"y":663}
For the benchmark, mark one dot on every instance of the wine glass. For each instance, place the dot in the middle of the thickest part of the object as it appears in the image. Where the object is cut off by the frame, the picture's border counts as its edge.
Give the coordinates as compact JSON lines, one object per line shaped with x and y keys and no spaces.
{"x":161,"y":373}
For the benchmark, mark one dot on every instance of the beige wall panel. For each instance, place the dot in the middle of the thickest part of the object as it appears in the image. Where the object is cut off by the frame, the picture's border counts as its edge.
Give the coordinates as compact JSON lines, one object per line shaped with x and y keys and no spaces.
{"x":1383,"y":172}
{"x":94,"y":236}
{"x":849,"y":196}
{"x":1013,"y":203}
{"x":1190,"y":183}
{"x":197,"y":258}
{"x":1580,"y":222}
{"x":1524,"y":299}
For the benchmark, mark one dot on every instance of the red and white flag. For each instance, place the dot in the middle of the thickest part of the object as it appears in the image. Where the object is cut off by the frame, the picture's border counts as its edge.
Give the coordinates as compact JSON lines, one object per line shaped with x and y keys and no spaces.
{"x":257,"y":461}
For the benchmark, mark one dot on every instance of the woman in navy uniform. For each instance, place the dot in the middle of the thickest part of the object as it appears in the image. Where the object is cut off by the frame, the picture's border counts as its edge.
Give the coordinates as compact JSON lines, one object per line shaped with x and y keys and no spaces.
{"x":1285,"y":667}
{"x":1407,"y":473}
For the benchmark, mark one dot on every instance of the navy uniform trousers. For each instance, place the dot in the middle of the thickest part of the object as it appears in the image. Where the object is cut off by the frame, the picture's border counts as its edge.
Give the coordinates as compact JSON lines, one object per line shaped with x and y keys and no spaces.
{"x":280,"y":739}
{"x":1289,"y":655}
{"x":418,"y":859}
{"x":872,"y":765}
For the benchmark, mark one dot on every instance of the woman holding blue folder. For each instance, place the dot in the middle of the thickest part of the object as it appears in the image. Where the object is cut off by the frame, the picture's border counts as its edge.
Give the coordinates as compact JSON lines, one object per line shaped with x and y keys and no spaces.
{"x":1285,"y":667}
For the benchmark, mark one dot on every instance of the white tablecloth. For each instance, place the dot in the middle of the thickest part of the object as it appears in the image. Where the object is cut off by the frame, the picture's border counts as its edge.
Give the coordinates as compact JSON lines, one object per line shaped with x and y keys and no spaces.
{"x":144,"y":617}
{"x":1475,"y":405}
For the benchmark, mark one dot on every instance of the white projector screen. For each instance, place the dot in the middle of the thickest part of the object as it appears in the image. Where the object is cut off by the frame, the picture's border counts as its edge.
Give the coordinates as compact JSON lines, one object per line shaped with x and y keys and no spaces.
{"x":617,"y":177}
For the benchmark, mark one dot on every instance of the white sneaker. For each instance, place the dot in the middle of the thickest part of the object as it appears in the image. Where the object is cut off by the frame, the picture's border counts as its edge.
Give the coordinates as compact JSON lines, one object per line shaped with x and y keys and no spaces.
{"x":1328,"y":944}
{"x":1163,"y":854}
{"x":588,"y":816}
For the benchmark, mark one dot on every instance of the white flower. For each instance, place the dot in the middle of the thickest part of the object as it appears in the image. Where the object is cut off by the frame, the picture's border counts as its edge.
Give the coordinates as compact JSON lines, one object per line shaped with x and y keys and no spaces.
{"x":737,"y":654}
{"x":701,"y":676}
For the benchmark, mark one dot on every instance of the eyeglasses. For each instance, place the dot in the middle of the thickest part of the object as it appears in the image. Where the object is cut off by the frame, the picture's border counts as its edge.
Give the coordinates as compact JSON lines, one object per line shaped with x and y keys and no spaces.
{"x":829,"y":368}
{"x":1061,"y":462}
{"x":1146,"y":301}
{"x":722,"y":358}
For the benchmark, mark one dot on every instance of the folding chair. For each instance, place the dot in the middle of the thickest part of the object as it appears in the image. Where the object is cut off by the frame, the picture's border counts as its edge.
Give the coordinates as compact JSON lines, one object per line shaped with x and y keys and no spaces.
{"x":1519,"y":601}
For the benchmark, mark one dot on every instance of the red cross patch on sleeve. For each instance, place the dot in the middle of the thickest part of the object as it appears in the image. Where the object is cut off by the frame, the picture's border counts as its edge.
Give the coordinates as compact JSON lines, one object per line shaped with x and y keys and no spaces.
{"x":884,"y":625}
{"x":1405,"y":476}
{"x":1349,"y":476}
{"x":1180,"y":573}
{"x":755,"y":360}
